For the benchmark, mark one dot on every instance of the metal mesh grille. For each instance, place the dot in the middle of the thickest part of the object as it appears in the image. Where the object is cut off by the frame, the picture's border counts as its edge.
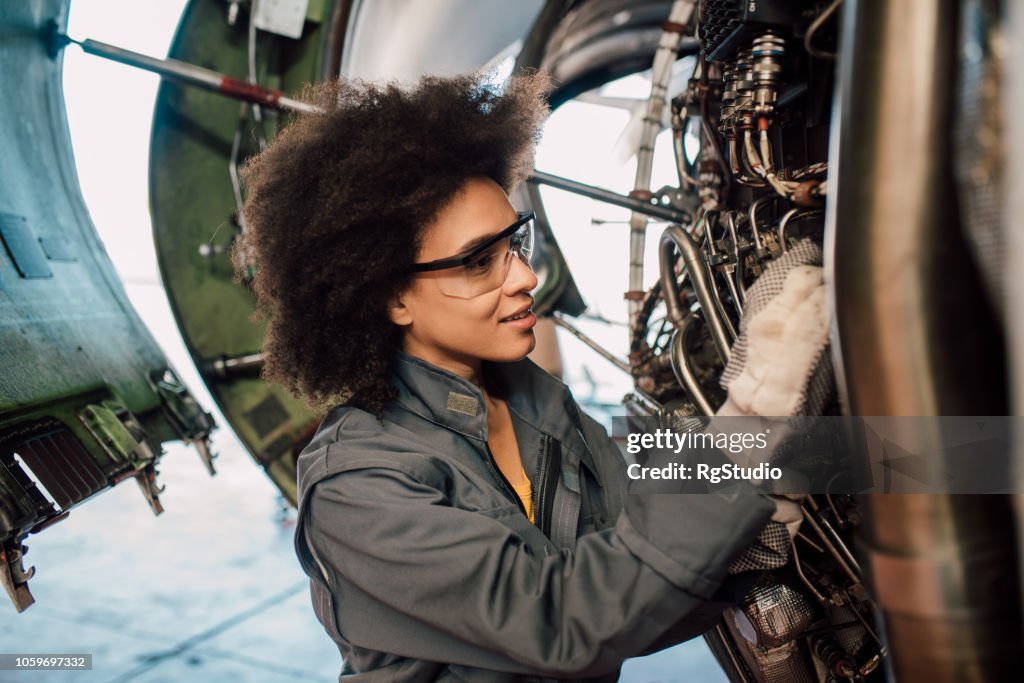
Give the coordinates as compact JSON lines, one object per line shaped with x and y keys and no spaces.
{"x":718,"y":19}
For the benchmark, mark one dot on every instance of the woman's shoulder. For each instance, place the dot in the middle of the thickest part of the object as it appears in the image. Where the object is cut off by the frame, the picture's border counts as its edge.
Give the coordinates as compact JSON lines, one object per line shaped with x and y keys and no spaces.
{"x":350,"y":439}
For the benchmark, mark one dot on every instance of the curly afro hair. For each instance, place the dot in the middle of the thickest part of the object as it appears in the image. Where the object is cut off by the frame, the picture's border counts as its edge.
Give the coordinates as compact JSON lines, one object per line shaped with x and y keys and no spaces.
{"x":335,"y":209}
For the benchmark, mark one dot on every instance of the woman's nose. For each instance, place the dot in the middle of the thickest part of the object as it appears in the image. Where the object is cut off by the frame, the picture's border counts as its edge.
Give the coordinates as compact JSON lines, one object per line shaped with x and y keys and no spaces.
{"x":521,"y":278}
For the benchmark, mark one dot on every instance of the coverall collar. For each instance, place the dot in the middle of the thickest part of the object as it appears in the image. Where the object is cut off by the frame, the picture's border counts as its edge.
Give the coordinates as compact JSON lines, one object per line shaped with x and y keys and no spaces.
{"x":441,"y":396}
{"x":453,"y":402}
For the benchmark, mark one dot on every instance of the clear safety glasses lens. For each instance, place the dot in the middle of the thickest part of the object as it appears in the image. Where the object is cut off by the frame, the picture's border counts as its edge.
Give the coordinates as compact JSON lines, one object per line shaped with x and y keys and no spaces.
{"x":488,"y":270}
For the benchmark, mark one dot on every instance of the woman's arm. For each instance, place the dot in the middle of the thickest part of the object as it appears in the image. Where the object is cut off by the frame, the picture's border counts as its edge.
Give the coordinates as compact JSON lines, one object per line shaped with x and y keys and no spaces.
{"x":449,"y":585}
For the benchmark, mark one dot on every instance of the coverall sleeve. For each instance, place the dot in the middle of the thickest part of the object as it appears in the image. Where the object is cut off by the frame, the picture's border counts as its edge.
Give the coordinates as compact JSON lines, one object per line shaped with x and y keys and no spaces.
{"x":450,"y":585}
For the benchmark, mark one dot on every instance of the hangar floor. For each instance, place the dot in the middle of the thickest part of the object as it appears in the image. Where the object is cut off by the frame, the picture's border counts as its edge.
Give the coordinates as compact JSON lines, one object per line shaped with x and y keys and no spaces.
{"x":210,"y":590}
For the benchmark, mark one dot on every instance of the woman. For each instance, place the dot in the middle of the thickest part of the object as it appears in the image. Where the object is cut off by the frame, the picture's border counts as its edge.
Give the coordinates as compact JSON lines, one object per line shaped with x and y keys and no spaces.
{"x":459,"y":517}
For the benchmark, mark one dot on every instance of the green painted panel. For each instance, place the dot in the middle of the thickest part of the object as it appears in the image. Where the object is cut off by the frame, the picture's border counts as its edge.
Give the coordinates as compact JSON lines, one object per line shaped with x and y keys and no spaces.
{"x":193,"y":207}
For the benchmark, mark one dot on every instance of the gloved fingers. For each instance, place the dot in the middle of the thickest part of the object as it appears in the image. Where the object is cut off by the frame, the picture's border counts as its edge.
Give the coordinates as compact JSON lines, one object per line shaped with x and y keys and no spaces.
{"x":781,"y":343}
{"x":788,"y":511}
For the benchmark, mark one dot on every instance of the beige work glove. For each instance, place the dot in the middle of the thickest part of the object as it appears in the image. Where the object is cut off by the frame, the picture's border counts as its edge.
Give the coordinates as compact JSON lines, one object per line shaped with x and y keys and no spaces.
{"x":780,"y":367}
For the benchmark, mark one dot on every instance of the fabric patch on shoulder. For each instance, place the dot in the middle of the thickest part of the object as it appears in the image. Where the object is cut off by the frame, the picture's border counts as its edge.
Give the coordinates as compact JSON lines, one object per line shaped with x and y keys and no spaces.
{"x":462,"y":403}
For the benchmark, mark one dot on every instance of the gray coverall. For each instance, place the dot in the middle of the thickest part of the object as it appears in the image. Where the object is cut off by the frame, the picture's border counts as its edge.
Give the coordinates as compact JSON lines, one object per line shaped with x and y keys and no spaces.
{"x":423,"y":565}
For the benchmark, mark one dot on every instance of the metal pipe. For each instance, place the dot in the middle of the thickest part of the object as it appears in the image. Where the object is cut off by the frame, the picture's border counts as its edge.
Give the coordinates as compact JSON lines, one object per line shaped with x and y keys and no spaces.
{"x":830,"y":546}
{"x":709,"y":237}
{"x":236,"y":181}
{"x":867,"y":626}
{"x":803,"y":577}
{"x":675,"y":235}
{"x":791,"y":216}
{"x":752,"y":215}
{"x":670,"y":286}
{"x":257,"y":111}
{"x":813,"y":28}
{"x":607,"y":196}
{"x":839,"y":543}
{"x":782,"y":228}
{"x":601,"y":351}
{"x":807,"y":539}
{"x":739,"y":294}
{"x":683,"y":371}
{"x":227,"y":367}
{"x":190,"y":74}
{"x":679,"y":120}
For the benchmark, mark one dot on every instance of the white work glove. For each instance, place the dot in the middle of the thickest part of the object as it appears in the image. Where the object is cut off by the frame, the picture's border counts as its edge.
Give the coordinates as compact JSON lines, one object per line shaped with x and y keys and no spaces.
{"x":779,"y":367}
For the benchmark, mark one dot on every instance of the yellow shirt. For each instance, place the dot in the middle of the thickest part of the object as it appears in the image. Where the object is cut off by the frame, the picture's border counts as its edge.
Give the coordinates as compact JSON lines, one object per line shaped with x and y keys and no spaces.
{"x":525,"y":494}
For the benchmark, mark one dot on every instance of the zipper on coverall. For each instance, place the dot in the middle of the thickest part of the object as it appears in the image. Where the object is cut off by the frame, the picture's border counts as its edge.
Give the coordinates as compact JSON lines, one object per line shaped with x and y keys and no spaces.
{"x":548,"y":464}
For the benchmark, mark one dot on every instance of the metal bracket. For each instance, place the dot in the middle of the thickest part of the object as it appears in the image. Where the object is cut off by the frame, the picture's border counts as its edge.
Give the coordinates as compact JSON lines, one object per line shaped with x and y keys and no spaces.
{"x":13,"y":575}
{"x":193,"y":423}
{"x":146,"y":479}
{"x":125,"y":440}
{"x":102,"y":421}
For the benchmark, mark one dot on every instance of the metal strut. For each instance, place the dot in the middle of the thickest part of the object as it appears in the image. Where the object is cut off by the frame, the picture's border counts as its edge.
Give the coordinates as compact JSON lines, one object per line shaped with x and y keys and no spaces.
{"x":667,"y":213}
{"x":183,"y":72}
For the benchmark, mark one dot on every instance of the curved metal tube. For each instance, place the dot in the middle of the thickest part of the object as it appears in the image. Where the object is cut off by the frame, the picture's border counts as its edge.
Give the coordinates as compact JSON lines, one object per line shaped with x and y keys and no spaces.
{"x":789,"y":217}
{"x":782,"y":227}
{"x":669,"y":285}
{"x":752,"y":215}
{"x":800,"y":572}
{"x":675,"y":237}
{"x":683,"y":371}
{"x":679,"y":119}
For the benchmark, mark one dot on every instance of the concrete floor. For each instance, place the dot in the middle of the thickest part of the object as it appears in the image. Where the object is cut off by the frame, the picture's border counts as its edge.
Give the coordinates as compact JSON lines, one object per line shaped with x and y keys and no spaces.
{"x":208,"y":591}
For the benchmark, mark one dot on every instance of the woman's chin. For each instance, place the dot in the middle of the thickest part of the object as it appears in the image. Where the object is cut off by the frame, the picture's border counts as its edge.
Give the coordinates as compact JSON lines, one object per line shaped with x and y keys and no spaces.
{"x":515,"y":350}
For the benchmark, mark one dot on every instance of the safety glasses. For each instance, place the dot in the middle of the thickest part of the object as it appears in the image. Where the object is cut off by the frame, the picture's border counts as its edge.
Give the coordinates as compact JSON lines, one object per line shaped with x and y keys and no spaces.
{"x":484,"y":267}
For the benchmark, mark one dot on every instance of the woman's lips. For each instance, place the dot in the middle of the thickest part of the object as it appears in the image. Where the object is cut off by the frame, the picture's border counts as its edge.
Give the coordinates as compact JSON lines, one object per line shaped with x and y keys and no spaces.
{"x":524,"y":323}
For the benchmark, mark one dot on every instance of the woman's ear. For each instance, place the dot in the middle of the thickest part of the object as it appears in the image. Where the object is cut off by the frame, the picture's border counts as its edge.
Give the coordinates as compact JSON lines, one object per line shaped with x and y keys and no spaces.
{"x":399,"y":313}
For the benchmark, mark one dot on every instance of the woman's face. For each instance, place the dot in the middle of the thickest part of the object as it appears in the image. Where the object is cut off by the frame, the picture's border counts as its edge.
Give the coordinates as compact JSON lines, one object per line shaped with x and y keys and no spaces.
{"x":458,"y":333}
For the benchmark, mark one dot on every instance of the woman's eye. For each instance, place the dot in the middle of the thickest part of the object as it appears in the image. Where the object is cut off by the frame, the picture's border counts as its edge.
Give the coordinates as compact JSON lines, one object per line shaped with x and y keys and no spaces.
{"x":480,"y":263}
